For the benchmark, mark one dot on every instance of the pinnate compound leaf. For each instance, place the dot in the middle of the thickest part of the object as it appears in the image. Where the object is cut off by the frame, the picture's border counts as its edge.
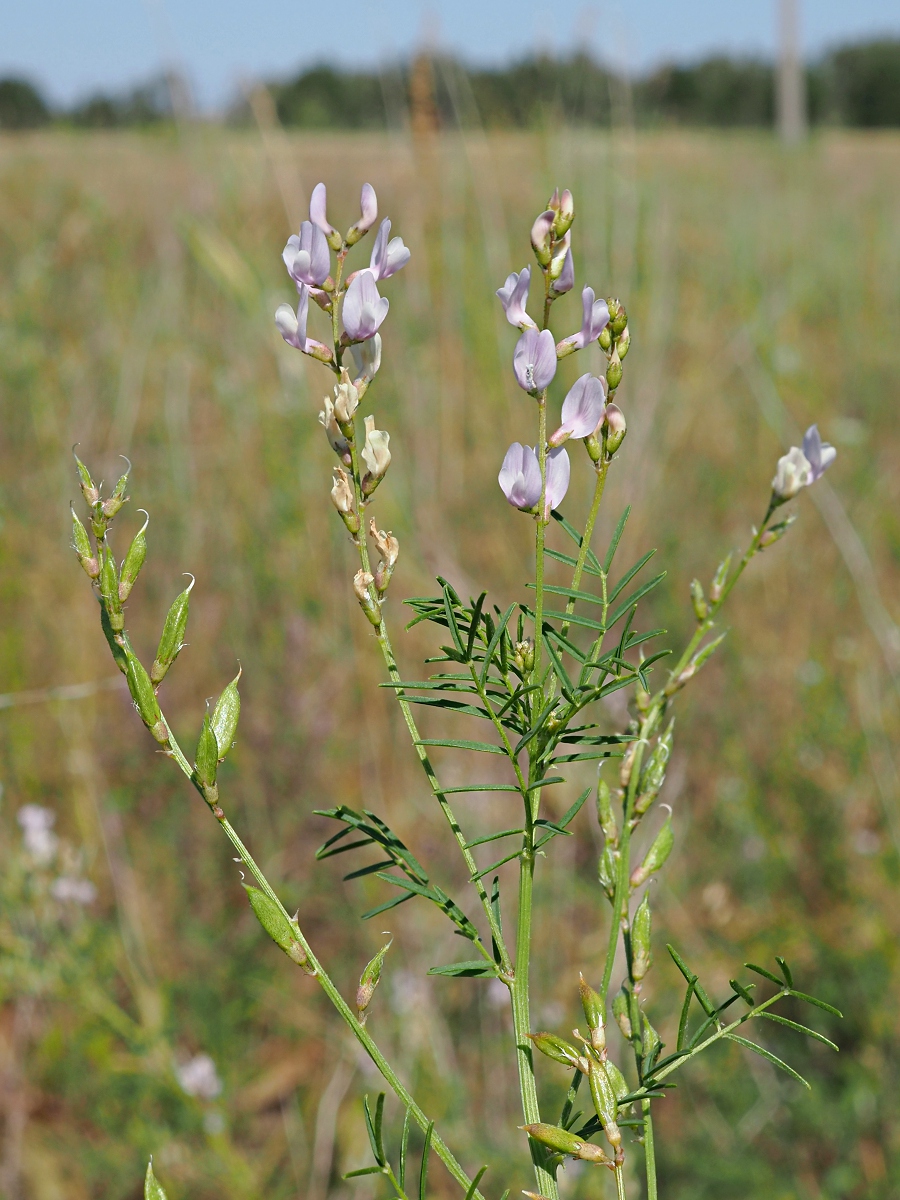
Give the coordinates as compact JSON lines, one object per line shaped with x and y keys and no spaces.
{"x":798,"y":1028}
{"x":616,"y":538}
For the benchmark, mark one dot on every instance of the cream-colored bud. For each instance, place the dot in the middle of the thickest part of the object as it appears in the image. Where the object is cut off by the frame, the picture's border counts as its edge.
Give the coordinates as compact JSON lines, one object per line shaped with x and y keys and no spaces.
{"x":346,"y":399}
{"x":362,"y":583}
{"x":375,"y":454}
{"x":328,"y":421}
{"x":342,"y":492}
{"x":389,"y":549}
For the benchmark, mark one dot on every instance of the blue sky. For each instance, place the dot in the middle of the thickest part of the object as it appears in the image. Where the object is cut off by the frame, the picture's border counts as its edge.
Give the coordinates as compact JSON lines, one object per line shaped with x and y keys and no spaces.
{"x":70,"y":49}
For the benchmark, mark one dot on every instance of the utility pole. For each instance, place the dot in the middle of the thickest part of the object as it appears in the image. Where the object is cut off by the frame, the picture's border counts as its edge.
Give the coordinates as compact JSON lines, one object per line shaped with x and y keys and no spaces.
{"x":791,"y":93}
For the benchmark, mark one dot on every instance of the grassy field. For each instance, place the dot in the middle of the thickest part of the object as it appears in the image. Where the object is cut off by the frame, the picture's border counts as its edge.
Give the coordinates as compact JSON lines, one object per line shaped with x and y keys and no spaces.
{"x":138,"y":277}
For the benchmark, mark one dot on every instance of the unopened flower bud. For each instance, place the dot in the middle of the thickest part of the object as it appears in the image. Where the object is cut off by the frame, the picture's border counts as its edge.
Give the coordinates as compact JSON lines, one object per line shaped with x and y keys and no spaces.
{"x":171,"y":641}
{"x":623,"y":342}
{"x":346,"y":399}
{"x":605,"y":339}
{"x":134,"y":560}
{"x":343,"y":500}
{"x":376,"y":455}
{"x":556,"y":1048}
{"x":641,"y":955}
{"x":368,"y":981}
{"x":614,"y":371}
{"x":656,"y":855}
{"x":593,"y":1006}
{"x":523,"y":655}
{"x":561,"y":250}
{"x":389,"y":549}
{"x":618,"y":318}
{"x":775,"y":534}
{"x":89,"y":489}
{"x":339,"y":443}
{"x":616,"y":427}
{"x":362,"y":583}
{"x":621,"y":1012}
{"x":81,"y":544}
{"x":113,"y":503}
{"x":368,"y":215}
{"x":701,"y":608}
{"x":720,"y":579}
{"x":542,"y":236}
{"x":563,"y":206}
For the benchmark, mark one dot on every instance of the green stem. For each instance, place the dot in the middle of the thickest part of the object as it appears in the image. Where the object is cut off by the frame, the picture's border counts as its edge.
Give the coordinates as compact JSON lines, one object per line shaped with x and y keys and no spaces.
{"x":620,"y":1183}
{"x":539,"y":539}
{"x":649,"y":1152}
{"x":602,"y":469}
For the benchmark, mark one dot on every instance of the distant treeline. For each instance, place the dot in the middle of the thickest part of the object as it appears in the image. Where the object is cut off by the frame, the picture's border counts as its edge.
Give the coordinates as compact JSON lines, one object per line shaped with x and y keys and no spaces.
{"x":857,"y":85}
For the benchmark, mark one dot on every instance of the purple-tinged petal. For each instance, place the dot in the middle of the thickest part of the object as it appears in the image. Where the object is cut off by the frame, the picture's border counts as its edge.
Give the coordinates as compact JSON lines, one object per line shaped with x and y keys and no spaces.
{"x":388,"y":257}
{"x":286,"y":320}
{"x":542,"y":235}
{"x":306,"y":257}
{"x":317,"y":209}
{"x":534,"y":359}
{"x":819,"y":454}
{"x":368,"y":208}
{"x":514,"y":296}
{"x":594,"y":320}
{"x":364,"y":309}
{"x":582,"y":410}
{"x":792,"y":473}
{"x":557,"y":479}
{"x":566,"y":280}
{"x":520,"y":477}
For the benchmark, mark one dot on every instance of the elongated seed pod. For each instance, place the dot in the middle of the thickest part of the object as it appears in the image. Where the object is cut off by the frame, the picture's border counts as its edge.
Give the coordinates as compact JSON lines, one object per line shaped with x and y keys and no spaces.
{"x":556,"y":1048}
{"x":134,"y":560}
{"x":656,"y":855}
{"x":172,"y":640}
{"x":641,"y":956}
{"x":283,"y":933}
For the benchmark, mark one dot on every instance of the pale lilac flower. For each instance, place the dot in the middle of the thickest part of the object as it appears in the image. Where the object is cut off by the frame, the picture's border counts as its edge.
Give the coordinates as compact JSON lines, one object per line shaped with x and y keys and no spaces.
{"x":566,"y":280}
{"x":70,"y":889}
{"x":36,"y":823}
{"x":388,"y":257}
{"x":534,"y":360}
{"x":558,"y":468}
{"x":520,"y":477}
{"x":542,"y":236}
{"x":366,"y":359}
{"x":306,"y":257}
{"x":792,"y":473}
{"x":820,"y":455}
{"x":583,"y":409}
{"x":317,"y":209}
{"x":292,"y":326}
{"x":514,"y":296}
{"x":368,"y":214}
{"x":595,"y":319}
{"x":364,"y":310}
{"x":198,"y":1077}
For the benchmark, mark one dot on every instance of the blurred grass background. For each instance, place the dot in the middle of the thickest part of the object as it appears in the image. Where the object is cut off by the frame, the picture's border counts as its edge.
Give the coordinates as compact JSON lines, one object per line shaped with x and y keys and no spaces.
{"x":138,"y":277}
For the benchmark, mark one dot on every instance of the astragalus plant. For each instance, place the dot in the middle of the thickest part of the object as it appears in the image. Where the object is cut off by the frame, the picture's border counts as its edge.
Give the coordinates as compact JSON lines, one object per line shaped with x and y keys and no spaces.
{"x":535,"y":675}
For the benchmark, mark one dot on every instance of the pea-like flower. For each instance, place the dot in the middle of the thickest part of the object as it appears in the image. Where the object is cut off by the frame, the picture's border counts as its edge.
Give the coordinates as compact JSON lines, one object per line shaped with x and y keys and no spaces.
{"x":388,"y":257}
{"x":317,"y":210}
{"x":364,"y":310}
{"x":366,"y":359}
{"x":520,"y":478}
{"x":328,"y":421}
{"x":566,"y":280}
{"x":792,"y":473}
{"x":306,"y":256}
{"x":534,"y":359}
{"x":368,"y":214}
{"x":594,"y":321}
{"x":514,"y":296}
{"x":292,"y":327}
{"x":820,"y":455}
{"x":542,"y":236}
{"x":376,"y":455}
{"x":583,"y":409}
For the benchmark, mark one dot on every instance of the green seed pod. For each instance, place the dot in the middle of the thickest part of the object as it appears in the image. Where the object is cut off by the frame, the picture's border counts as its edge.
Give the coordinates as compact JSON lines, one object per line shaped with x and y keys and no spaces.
{"x":81,"y":544}
{"x":656,"y":855}
{"x":606,"y":872}
{"x":172,"y":640}
{"x":641,"y":956}
{"x":113,"y":503}
{"x":225,"y":717}
{"x":556,"y":1048}
{"x":145,"y":698}
{"x":118,"y":650}
{"x":592,"y":1003}
{"x":606,"y":1104}
{"x":777,"y":532}
{"x":701,"y":608}
{"x":618,"y":1081}
{"x":719,"y":579}
{"x":622,"y":1014}
{"x":284,"y":933}
{"x":134,"y":559}
{"x":560,"y":1140}
{"x":206,"y":758}
{"x":369,"y":979}
{"x":89,"y":489}
{"x":152,"y":1187}
{"x":605,"y":814}
{"x":109,"y":590}
{"x":654,"y":773}
{"x":650,"y":1042}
